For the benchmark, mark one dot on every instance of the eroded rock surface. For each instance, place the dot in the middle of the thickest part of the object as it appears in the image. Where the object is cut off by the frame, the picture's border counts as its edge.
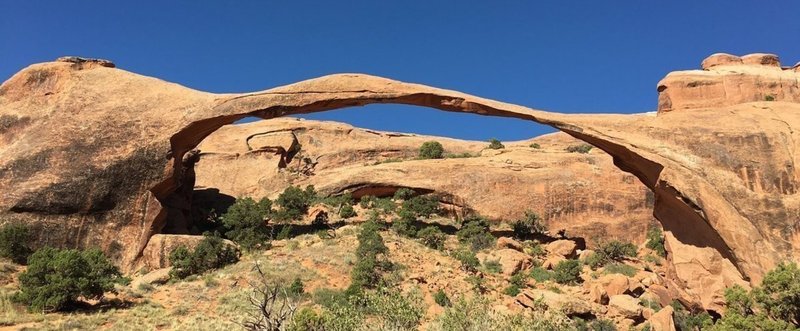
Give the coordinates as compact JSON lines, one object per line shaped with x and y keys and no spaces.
{"x":94,"y":156}
{"x":727,"y":80}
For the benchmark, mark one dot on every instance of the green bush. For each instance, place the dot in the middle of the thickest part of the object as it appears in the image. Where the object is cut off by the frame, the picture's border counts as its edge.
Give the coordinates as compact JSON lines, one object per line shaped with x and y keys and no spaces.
{"x":285,"y":233}
{"x":769,"y":97}
{"x":421,"y":206}
{"x":535,"y":146}
{"x":469,"y":262}
{"x":210,"y":253}
{"x":529,"y":225}
{"x":14,"y":239}
{"x":511,"y":290}
{"x":686,"y":320}
{"x":404,"y":224}
{"x":56,"y":278}
{"x":602,"y":325}
{"x":541,"y":275}
{"x":366,"y":201}
{"x":347,"y":211}
{"x":386,"y":205}
{"x":367,"y":271}
{"x":614,"y":250}
{"x":581,"y":148}
{"x":495,"y":144}
{"x":403,"y":193}
{"x":655,"y":241}
{"x":619,"y":268}
{"x":567,"y":272}
{"x":441,"y":298}
{"x":297,"y":288}
{"x":431,"y":150}
{"x":246,"y":223}
{"x":492,"y":266}
{"x":475,"y":233}
{"x":306,"y":319}
{"x":294,"y":202}
{"x":432,"y":237}
{"x":779,"y":293}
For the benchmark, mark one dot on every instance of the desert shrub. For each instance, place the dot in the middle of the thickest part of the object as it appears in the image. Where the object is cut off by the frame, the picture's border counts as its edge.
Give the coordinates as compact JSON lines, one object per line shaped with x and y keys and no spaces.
{"x":769,"y":97}
{"x":366,"y":201}
{"x":614,"y":250}
{"x":469,"y":262}
{"x":285,"y":232}
{"x":344,"y":199}
{"x":396,"y":310}
{"x":511,"y":290}
{"x":14,"y":239}
{"x":475,"y":233}
{"x":432,"y":237}
{"x":56,"y":278}
{"x":306,"y":319}
{"x":535,"y":146}
{"x":779,"y":293}
{"x":463,"y":155}
{"x":431,"y":150}
{"x":478,"y":315}
{"x":580,"y":148}
{"x":602,"y":325}
{"x":619,"y":268}
{"x":535,"y":249}
{"x":246,"y":223}
{"x":366,"y":272}
{"x":477,"y":282}
{"x":297,"y":288}
{"x":492,"y":266}
{"x":404,"y":224}
{"x":385,"y":205}
{"x":210,"y":253}
{"x":403,"y":193}
{"x":529,"y":225}
{"x":441,"y":298}
{"x":567,"y":272}
{"x":688,"y":321}
{"x":655,"y":241}
{"x":495,"y":144}
{"x":421,"y":206}
{"x":347,"y":211}
{"x":294,"y":202}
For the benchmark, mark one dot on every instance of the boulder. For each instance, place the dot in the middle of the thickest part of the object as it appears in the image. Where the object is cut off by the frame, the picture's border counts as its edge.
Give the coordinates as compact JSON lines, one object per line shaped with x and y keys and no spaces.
{"x":506,"y":242}
{"x":663,"y":295}
{"x":568,"y":304}
{"x":158,"y":276}
{"x":513,"y":260}
{"x":584,"y":254}
{"x":720,"y":59}
{"x":614,"y":284}
{"x":598,"y":294}
{"x":562,"y":247}
{"x":663,"y":320}
{"x":551,"y":261}
{"x":625,"y":305}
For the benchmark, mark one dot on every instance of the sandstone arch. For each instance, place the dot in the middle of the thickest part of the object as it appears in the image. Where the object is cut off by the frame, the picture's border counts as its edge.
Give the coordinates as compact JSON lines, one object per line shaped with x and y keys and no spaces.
{"x":120,"y":138}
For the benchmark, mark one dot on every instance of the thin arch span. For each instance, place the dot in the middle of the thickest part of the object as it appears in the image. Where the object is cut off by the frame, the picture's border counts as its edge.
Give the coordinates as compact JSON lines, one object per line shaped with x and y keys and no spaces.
{"x":673,"y":208}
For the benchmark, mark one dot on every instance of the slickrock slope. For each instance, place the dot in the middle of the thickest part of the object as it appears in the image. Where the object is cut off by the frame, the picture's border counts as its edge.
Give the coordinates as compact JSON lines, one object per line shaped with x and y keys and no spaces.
{"x":94,"y":155}
{"x":583,"y":193}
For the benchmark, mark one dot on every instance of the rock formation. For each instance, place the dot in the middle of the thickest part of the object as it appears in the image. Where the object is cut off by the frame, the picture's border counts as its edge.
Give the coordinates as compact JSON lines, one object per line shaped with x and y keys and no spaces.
{"x":583,"y":193}
{"x":94,"y":156}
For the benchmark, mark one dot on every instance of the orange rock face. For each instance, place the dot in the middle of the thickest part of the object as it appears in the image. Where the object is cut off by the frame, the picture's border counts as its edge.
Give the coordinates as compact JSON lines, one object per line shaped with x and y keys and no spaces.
{"x":727,"y":80}
{"x":92,"y":155}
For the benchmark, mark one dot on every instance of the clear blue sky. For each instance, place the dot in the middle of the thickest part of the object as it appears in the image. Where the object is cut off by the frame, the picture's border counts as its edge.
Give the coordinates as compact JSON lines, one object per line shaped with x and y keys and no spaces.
{"x":568,"y":56}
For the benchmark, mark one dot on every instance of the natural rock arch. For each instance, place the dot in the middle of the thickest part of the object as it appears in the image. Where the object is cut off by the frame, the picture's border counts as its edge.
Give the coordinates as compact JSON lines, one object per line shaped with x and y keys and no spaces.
{"x":120,"y":139}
